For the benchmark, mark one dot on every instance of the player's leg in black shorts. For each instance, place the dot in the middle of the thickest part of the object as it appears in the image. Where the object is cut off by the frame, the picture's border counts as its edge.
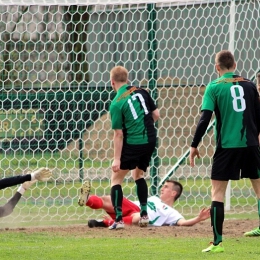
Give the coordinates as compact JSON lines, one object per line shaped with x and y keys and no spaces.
{"x":236,"y":163}
{"x":136,"y":156}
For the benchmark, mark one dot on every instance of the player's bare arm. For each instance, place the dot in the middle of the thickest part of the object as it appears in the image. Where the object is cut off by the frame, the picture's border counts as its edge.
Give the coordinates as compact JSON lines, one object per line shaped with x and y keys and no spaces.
{"x":203,"y":215}
{"x":155,"y":115}
{"x":118,"y":144}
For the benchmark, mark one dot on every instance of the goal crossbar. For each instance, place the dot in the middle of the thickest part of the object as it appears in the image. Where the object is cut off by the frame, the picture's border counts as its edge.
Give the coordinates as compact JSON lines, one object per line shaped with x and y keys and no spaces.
{"x":105,"y":2}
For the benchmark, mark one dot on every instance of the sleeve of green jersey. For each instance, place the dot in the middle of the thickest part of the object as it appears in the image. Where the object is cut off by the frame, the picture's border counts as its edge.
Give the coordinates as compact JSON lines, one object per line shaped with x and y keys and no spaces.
{"x":116,"y":117}
{"x":208,"y":99}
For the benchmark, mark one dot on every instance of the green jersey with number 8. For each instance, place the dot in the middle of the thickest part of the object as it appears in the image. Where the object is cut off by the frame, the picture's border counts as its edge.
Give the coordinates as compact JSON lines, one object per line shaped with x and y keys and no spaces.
{"x":131,"y":111}
{"x":235,"y":101}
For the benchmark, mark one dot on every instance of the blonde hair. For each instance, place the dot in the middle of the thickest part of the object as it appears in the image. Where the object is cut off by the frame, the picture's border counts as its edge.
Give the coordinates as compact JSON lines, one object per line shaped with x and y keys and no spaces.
{"x":119,"y":74}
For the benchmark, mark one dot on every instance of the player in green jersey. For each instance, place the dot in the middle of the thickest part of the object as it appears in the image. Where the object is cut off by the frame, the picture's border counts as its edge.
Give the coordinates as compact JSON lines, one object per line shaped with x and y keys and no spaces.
{"x":133,"y":114}
{"x":235,"y":102}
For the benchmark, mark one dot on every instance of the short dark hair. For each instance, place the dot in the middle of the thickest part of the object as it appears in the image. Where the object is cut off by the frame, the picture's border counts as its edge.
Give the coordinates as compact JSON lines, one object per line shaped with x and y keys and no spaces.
{"x":176,"y":187}
{"x":225,"y":59}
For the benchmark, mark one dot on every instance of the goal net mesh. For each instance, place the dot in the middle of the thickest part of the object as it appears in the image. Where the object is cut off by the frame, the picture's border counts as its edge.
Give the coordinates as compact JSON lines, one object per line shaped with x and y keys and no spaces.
{"x":55,"y":58}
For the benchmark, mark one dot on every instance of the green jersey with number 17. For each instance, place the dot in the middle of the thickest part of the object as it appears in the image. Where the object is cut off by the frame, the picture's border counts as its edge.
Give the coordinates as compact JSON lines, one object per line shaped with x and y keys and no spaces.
{"x":131,"y":111}
{"x":235,"y":101}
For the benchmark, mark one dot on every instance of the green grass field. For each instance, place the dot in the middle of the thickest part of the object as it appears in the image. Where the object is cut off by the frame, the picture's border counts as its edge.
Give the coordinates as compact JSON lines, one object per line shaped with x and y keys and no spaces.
{"x":43,"y":246}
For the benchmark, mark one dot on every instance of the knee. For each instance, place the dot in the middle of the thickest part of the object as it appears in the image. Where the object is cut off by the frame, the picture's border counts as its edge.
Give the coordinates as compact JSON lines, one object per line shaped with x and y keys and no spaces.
{"x":137,"y":174}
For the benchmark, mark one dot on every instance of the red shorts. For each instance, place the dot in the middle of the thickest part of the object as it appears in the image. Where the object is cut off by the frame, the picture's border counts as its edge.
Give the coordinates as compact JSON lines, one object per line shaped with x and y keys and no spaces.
{"x":128,"y":208}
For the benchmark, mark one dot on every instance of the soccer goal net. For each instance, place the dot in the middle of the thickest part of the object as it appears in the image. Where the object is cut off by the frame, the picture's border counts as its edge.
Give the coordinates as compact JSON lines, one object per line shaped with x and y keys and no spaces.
{"x":55,"y":58}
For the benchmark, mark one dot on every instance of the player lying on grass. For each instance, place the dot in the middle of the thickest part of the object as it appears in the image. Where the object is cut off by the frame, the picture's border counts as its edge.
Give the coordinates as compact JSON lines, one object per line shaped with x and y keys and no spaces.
{"x":42,"y":174}
{"x":160,"y":210}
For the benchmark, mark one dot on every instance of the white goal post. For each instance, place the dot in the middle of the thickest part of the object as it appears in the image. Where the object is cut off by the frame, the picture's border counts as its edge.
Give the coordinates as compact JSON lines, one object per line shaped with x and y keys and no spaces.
{"x":55,"y":58}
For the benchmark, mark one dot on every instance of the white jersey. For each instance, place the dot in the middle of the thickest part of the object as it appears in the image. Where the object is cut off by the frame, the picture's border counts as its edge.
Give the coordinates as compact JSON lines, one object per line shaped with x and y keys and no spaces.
{"x":159,"y":213}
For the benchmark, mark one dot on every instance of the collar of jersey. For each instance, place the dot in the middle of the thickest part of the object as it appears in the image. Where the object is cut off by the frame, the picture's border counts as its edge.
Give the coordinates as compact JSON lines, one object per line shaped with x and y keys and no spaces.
{"x":122,"y":89}
{"x":227,"y":74}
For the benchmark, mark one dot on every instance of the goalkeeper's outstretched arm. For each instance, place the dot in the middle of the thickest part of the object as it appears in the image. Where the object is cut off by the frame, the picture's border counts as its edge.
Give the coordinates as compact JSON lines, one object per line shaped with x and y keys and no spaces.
{"x":8,"y":208}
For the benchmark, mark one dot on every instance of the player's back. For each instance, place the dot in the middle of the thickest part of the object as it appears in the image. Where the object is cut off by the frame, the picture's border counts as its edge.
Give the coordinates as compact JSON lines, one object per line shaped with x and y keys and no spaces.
{"x":236,"y":109}
{"x":136,"y":106}
{"x":139,"y":121}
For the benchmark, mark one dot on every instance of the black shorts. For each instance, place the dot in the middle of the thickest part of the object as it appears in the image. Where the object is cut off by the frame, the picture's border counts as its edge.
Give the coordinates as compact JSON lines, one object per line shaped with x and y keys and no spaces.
{"x":136,"y":156}
{"x":236,"y":163}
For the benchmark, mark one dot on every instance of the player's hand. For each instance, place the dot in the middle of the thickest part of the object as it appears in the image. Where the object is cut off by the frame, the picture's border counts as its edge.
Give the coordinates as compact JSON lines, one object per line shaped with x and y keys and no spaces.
{"x":204,"y":214}
{"x":116,"y":165}
{"x":193,"y":153}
